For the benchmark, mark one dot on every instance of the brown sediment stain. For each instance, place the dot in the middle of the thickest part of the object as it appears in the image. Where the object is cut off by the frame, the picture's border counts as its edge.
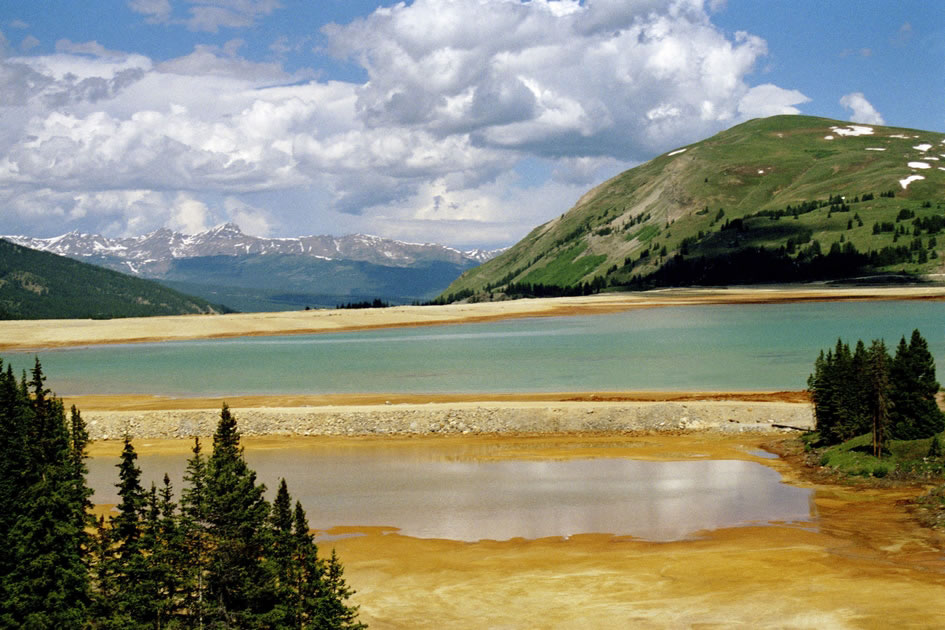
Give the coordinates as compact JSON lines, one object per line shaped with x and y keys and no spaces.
{"x":861,"y":561}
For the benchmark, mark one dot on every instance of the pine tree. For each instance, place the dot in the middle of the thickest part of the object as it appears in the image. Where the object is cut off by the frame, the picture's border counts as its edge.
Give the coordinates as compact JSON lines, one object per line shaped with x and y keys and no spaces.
{"x":240,"y":584}
{"x":194,"y":537}
{"x":879,"y":394}
{"x":281,"y":555}
{"x":914,"y":413}
{"x":133,"y":593}
{"x":46,"y":584}
{"x":336,"y":614}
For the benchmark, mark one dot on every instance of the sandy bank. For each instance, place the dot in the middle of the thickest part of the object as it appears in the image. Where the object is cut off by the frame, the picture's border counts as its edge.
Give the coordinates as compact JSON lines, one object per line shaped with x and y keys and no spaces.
{"x":495,"y":417}
{"x":34,"y":334}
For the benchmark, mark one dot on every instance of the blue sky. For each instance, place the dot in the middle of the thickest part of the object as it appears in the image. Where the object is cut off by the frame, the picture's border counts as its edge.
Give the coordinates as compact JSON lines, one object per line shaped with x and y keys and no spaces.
{"x":465,"y":122}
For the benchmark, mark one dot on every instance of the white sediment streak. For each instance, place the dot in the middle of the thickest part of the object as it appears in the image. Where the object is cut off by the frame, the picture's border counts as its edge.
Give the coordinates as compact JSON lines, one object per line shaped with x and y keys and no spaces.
{"x":912,"y":178}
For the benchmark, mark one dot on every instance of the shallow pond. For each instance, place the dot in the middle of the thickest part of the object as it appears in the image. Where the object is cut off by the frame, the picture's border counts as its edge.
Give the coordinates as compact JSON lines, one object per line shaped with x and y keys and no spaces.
{"x":443,"y":493}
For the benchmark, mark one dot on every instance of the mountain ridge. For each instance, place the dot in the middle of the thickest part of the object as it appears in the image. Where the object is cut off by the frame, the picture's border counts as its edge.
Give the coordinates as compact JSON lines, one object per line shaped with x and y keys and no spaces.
{"x":690,"y":210}
{"x":148,"y":255}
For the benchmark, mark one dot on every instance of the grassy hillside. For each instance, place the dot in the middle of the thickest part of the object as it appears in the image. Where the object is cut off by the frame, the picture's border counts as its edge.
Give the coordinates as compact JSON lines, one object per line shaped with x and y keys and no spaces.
{"x":781,"y":199}
{"x":39,"y":285}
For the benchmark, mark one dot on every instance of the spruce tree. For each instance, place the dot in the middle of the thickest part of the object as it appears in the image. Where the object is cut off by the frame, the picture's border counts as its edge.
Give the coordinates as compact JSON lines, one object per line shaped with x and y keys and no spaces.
{"x":194,"y":537}
{"x":914,"y":413}
{"x":240,"y":584}
{"x":879,"y":394}
{"x":133,"y":593}
{"x":46,"y":583}
{"x":283,"y":558}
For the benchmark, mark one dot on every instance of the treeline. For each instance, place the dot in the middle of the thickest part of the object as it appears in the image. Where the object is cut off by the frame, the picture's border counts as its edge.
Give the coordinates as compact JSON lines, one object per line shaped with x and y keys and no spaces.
{"x":222,"y":557}
{"x":375,"y":303}
{"x":867,"y":390}
{"x":754,"y":265}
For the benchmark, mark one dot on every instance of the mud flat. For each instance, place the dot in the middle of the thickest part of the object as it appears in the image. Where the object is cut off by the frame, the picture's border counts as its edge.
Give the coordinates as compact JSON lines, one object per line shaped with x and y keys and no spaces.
{"x":35,"y":334}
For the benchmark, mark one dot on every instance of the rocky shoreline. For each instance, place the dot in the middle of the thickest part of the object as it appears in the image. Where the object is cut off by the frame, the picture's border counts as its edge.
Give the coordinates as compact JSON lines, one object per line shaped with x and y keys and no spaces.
{"x":458,"y":418}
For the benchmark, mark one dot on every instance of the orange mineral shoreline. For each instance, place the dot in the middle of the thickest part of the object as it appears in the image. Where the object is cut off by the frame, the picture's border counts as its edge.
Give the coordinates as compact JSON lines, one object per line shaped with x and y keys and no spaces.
{"x":35,"y":334}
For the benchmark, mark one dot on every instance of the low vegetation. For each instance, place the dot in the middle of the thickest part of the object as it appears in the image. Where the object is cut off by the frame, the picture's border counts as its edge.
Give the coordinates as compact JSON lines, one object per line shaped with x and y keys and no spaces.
{"x":223,"y":557}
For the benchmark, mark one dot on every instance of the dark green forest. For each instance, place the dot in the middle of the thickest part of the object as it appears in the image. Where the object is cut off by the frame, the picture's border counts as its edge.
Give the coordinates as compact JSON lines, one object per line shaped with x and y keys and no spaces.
{"x":40,"y":285}
{"x":220,"y":557}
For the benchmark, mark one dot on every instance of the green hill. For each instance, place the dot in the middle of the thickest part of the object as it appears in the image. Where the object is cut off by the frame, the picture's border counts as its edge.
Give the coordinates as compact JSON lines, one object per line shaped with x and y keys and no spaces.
{"x":39,"y":285}
{"x":780,"y":199}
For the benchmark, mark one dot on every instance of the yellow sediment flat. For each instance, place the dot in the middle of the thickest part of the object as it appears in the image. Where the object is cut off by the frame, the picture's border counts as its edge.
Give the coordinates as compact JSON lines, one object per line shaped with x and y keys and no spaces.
{"x":32,"y":334}
{"x":863,"y":562}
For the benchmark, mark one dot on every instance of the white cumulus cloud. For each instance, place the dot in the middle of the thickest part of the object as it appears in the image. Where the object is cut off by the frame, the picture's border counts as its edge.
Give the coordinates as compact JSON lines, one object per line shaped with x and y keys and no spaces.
{"x":861,"y":111}
{"x":458,"y":94}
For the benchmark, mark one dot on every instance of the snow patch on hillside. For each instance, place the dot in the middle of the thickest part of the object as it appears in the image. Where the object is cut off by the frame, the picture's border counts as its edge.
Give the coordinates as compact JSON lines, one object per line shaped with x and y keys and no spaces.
{"x":912,"y":178}
{"x":875,"y":148}
{"x":853,"y":130}
{"x":922,"y":147}
{"x":676,"y":152}
{"x":919,"y":165}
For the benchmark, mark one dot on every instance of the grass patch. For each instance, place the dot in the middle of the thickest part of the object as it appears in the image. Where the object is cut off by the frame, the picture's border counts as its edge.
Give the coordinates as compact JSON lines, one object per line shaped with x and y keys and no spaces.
{"x":645,"y":234}
{"x":904,"y":459}
{"x":566,"y":269}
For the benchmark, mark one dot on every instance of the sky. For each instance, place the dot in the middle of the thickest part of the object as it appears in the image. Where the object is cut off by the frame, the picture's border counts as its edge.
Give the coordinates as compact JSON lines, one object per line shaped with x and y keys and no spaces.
{"x":462,"y":122}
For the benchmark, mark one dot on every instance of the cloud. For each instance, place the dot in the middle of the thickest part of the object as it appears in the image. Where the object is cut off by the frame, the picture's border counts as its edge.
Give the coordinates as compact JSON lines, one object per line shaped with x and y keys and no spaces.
{"x":770,"y":100}
{"x":255,"y":221}
{"x":29,"y":43}
{"x":903,"y":35}
{"x":560,"y":79}
{"x":19,"y":24}
{"x":92,"y":48}
{"x":861,"y":109}
{"x":207,"y":15}
{"x":158,"y":11}
{"x":458,"y":94}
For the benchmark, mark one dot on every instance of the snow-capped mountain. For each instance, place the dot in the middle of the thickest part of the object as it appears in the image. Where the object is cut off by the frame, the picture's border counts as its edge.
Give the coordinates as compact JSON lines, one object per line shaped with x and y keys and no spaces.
{"x":151,"y":255}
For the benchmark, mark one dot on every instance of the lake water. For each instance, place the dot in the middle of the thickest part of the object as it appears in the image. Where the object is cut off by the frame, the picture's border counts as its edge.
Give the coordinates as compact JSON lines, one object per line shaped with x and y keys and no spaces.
{"x":434,"y":492}
{"x":681,"y":348}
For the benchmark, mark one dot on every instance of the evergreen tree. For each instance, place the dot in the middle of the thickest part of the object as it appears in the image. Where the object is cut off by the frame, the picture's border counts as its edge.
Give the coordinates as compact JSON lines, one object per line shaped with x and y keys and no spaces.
{"x":169,"y":564}
{"x":133,"y":602}
{"x":194,"y":537}
{"x":240,"y":584}
{"x":914,"y":413}
{"x":46,"y":584}
{"x":879,"y":394}
{"x":335,"y":613}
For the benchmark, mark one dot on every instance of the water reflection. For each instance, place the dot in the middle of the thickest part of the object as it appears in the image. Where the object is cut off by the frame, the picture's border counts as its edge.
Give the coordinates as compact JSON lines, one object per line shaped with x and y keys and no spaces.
{"x":473,"y":500}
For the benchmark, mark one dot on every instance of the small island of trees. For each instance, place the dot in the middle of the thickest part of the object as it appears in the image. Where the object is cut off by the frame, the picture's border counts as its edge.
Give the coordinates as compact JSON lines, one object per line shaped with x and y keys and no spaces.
{"x":223,"y":557}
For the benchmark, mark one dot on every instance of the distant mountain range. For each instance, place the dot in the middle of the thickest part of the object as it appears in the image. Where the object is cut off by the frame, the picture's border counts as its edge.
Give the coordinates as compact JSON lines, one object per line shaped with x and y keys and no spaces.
{"x":250,"y":273}
{"x":773,"y":200}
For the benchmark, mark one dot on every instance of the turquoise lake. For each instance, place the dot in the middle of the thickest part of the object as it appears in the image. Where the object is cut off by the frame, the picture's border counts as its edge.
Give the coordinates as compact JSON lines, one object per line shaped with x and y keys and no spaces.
{"x":756,"y":347}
